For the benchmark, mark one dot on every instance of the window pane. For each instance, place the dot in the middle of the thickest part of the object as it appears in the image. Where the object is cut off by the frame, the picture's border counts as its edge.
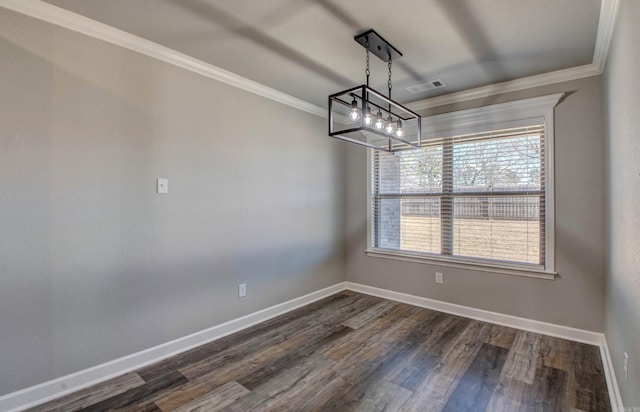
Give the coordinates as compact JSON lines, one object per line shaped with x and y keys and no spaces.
{"x":503,"y":164}
{"x":421,"y":170}
{"x":420,"y":225}
{"x":387,"y":223}
{"x":411,"y":171}
{"x":500,"y":228}
{"x":388,"y":173}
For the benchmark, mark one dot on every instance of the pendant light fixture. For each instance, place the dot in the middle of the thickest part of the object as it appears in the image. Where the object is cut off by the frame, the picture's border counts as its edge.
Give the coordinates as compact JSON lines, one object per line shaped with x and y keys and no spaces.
{"x":351,"y":112}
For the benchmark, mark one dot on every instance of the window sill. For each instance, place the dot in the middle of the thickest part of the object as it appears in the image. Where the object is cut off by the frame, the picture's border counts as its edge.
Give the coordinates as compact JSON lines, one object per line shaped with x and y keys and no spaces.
{"x":462,"y":264}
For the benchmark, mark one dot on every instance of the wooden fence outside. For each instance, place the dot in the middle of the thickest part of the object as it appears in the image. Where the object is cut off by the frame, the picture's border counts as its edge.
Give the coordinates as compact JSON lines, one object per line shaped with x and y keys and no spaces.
{"x":515,"y":208}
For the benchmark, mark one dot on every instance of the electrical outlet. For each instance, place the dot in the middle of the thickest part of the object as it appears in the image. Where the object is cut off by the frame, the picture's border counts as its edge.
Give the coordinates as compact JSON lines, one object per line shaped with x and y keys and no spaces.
{"x":626,"y":366}
{"x":439,"y":278}
{"x":242,"y":290}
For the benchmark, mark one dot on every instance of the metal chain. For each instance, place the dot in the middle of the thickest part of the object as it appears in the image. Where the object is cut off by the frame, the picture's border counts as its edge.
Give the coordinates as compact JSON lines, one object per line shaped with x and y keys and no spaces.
{"x":367,"y":72}
{"x":389,"y":83}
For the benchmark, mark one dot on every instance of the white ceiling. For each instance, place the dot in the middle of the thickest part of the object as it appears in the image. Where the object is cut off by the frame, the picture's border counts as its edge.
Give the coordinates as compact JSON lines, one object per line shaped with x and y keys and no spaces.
{"x":305,"y":48}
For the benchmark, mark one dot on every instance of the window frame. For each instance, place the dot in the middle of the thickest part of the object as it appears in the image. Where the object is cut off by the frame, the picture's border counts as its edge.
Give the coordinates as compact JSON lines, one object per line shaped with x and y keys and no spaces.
{"x":493,"y":117}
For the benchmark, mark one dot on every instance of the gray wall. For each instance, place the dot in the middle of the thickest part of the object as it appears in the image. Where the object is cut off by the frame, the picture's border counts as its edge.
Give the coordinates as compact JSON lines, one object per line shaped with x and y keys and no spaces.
{"x":622,"y":121}
{"x":576,"y":298}
{"x":94,"y":265}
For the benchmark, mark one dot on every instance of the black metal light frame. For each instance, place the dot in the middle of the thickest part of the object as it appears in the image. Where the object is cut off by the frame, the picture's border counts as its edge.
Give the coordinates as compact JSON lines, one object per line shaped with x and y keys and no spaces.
{"x":362,"y":90}
{"x":377,"y":45}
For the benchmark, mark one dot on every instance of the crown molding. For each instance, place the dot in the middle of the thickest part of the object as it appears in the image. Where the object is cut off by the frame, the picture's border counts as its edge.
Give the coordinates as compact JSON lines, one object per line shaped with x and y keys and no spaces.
{"x":544,"y":79}
{"x":606,"y":24}
{"x":84,"y":25}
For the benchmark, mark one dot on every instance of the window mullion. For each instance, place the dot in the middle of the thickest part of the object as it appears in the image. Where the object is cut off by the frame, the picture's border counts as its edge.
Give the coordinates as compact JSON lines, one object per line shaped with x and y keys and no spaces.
{"x":376,"y":198}
{"x":542,"y":206}
{"x":446,"y":201}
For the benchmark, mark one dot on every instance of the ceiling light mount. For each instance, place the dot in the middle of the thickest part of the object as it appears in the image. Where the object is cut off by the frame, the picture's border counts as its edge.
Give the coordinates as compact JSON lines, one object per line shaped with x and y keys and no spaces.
{"x":377,"y":45}
{"x":365,"y":116}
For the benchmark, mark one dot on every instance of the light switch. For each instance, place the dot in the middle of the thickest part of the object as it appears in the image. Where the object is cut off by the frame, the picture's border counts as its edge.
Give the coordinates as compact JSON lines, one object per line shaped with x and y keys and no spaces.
{"x":163,"y":185}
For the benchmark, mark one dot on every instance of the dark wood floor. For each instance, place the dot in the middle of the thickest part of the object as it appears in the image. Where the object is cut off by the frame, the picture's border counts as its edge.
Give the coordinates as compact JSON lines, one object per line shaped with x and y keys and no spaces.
{"x":357,"y":352}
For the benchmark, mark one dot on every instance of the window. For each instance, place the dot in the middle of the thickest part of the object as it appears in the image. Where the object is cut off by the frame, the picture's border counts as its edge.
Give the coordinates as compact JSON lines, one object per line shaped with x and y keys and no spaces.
{"x":479,"y":194}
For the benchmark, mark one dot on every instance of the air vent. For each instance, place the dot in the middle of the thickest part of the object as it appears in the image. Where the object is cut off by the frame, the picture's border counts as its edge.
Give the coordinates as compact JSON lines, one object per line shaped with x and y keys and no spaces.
{"x":425,"y":87}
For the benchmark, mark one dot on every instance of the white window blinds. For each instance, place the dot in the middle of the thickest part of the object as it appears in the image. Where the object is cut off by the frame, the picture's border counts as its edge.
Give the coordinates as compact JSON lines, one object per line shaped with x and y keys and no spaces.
{"x":478,"y":196}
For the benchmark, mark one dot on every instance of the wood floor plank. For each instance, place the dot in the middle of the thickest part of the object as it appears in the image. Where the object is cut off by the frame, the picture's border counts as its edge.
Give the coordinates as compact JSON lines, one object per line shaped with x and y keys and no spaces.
{"x":587,"y":381}
{"x":238,"y":370}
{"x":288,"y":384}
{"x":434,"y":392}
{"x":352,"y":369}
{"x":362,"y":377}
{"x":416,"y":370}
{"x":94,"y":394}
{"x":385,"y":396}
{"x":290,"y":358}
{"x":217,"y":399}
{"x":502,"y":336}
{"x":554,"y":353}
{"x":523,"y":358}
{"x":394,"y":355}
{"x":184,"y":394}
{"x":267,"y":333}
{"x":300,"y":330}
{"x":427,"y":355}
{"x":373,"y":312}
{"x":547,"y":394}
{"x":296,"y":344}
{"x":138,"y":395}
{"x":143,"y":407}
{"x":254,"y":364}
{"x":474,"y":390}
{"x":363,"y":338}
{"x":253,"y":368}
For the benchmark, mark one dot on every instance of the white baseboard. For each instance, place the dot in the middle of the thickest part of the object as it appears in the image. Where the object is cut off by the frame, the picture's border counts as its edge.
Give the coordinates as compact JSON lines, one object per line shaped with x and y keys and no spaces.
{"x":565,"y":332}
{"x":612,"y":382}
{"x":55,"y":388}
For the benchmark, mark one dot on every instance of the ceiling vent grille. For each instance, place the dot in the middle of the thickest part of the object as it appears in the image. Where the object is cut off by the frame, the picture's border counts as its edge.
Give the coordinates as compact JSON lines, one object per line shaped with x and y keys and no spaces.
{"x":425,"y":87}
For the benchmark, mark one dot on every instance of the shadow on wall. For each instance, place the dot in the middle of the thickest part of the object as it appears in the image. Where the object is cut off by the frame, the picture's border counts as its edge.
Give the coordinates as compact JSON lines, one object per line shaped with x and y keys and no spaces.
{"x":576,"y":252}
